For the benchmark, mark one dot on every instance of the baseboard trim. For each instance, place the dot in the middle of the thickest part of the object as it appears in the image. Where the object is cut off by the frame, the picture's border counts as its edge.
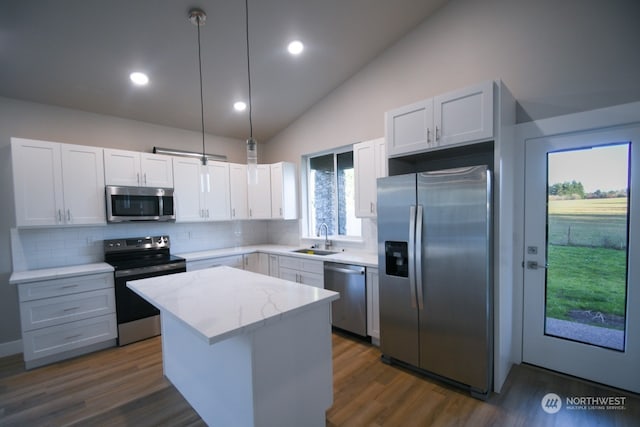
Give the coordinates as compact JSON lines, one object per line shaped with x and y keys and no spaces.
{"x":10,"y":348}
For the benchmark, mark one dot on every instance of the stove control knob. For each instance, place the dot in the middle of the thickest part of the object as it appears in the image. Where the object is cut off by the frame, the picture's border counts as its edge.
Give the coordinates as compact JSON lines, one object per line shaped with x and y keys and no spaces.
{"x":159,"y":240}
{"x":110,"y":245}
{"x":117,"y":244}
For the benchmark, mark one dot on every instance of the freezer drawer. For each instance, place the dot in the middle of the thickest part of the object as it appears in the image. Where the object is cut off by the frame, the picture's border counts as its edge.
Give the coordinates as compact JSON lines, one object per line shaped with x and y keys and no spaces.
{"x":350,"y":311}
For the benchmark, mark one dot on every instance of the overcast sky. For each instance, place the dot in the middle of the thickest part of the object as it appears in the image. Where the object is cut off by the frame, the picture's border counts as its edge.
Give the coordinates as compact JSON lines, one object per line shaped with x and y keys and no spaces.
{"x":602,"y":168}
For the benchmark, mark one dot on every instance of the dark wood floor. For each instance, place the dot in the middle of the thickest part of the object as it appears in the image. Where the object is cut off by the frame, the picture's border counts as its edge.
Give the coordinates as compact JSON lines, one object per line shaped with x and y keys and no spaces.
{"x":125,"y":387}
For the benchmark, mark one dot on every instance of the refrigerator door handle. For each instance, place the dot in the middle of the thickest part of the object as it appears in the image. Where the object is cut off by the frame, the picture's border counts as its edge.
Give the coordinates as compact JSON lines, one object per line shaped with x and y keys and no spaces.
{"x":411,"y":254}
{"x":418,"y":257}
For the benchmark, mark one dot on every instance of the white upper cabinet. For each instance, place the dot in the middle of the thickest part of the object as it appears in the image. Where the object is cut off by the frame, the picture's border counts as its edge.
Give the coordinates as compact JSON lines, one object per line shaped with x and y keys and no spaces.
{"x":134,"y":169}
{"x":370,"y":163}
{"x":201,"y":192}
{"x":410,"y":128}
{"x":188,"y":189}
{"x":238,"y":185}
{"x":217,"y":192}
{"x":83,"y":184}
{"x":57,"y":184}
{"x":464,"y":115}
{"x":259,"y":194}
{"x":461,"y":116}
{"x":284,"y":203}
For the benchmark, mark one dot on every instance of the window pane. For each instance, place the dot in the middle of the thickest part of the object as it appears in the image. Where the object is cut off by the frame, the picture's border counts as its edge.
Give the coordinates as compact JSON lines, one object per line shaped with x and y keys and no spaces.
{"x":321,"y":193}
{"x":348,"y":224}
{"x":587,"y":251}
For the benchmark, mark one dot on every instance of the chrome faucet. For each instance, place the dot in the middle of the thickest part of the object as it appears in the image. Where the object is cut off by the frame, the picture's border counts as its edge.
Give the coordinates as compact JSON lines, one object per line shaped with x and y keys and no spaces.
{"x":327,"y":242}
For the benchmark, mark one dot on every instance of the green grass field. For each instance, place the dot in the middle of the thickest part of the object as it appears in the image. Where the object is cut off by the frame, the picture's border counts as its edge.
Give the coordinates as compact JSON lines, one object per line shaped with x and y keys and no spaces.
{"x":587,"y":257}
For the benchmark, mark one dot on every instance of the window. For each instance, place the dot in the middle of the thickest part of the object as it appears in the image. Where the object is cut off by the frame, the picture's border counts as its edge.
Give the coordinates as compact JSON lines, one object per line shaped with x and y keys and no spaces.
{"x":331,"y":194}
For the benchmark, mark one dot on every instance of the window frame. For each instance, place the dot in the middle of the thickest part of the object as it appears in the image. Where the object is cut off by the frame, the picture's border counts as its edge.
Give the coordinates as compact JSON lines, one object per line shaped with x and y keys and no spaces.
{"x":307,"y":232}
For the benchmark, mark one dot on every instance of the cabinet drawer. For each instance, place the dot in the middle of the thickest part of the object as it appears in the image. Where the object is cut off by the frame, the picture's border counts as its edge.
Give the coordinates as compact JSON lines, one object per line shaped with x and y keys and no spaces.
{"x":231,"y":261}
{"x":42,"y":313}
{"x":57,"y":339}
{"x":312,"y":279}
{"x":66,"y":286}
{"x":308,"y":265}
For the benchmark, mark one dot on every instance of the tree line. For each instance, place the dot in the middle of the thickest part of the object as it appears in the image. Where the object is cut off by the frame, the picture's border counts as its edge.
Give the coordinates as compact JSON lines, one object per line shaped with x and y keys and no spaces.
{"x":575,"y":190}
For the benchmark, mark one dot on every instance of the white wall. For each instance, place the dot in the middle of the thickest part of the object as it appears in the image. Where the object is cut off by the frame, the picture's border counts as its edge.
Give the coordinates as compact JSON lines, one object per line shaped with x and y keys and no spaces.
{"x":556,"y":57}
{"x":61,"y":246}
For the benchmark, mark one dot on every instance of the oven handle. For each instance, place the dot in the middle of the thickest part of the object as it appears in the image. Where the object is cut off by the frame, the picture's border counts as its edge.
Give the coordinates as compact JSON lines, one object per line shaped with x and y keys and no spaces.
{"x":179,"y":266}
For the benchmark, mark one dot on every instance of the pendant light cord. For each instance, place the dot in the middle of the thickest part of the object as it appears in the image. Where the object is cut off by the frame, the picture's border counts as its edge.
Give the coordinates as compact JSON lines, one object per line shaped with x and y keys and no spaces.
{"x":246,"y":9}
{"x":201,"y":92}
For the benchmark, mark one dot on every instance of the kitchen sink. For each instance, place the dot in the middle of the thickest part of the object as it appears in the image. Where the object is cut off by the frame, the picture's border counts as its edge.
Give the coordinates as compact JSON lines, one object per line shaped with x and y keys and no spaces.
{"x":314,"y":252}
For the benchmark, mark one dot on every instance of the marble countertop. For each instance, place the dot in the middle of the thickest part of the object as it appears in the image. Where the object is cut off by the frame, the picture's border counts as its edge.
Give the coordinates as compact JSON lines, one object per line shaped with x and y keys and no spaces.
{"x":348,"y":256}
{"x":19,"y":277}
{"x":223,"y":301}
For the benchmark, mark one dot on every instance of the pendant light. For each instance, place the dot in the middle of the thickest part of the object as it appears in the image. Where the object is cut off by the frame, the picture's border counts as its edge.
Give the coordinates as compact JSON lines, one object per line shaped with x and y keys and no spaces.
{"x":252,"y":143}
{"x":198,"y":18}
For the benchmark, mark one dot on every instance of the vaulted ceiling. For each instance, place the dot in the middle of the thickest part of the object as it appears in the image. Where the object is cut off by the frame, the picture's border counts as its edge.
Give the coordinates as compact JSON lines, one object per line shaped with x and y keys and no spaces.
{"x":79,"y":54}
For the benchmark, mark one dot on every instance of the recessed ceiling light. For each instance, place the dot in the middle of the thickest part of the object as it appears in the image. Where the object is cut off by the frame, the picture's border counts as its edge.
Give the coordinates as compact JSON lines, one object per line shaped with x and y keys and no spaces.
{"x":295,"y":47}
{"x":239,"y":106}
{"x":139,"y":79}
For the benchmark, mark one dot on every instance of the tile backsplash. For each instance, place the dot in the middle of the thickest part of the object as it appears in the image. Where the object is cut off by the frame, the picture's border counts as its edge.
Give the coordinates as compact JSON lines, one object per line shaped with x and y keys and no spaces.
{"x":57,"y":247}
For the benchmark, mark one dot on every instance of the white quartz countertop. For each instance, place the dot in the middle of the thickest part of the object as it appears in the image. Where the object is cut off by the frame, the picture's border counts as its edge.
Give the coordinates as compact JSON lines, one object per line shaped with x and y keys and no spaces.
{"x":222,"y":302}
{"x":19,"y":277}
{"x":347,"y":257}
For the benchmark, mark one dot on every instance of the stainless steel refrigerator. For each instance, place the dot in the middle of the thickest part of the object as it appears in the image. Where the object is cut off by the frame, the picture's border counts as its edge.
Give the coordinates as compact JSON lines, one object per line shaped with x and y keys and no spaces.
{"x":435,"y":255}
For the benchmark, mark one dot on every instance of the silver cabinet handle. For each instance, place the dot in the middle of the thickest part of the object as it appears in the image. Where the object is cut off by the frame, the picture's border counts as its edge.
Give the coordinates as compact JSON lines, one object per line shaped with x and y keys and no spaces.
{"x":69,"y":215}
{"x":250,"y":212}
{"x":280,"y":211}
{"x":437,"y":136}
{"x":371,"y":207}
{"x":59,"y":216}
{"x":145,"y":178}
{"x":233,"y":212}
{"x":207,"y":213}
{"x":138,"y":178}
{"x":70,"y":309}
{"x":428,"y":135}
{"x":73,"y":336}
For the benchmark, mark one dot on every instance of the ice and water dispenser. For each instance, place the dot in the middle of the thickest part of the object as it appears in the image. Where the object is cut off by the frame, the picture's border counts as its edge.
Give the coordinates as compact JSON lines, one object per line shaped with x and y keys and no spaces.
{"x":396,"y":258}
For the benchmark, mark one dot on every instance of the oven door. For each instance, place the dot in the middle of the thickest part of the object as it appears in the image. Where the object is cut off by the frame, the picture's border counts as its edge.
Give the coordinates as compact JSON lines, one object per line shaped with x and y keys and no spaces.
{"x":129,"y":305}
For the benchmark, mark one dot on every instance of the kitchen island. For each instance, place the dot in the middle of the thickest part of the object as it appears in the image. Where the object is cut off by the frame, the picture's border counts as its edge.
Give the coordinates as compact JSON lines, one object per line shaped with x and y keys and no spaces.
{"x":245,"y":349}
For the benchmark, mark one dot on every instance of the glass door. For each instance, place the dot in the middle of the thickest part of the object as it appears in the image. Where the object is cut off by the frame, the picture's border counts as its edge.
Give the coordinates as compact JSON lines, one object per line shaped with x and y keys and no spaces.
{"x":581,"y":277}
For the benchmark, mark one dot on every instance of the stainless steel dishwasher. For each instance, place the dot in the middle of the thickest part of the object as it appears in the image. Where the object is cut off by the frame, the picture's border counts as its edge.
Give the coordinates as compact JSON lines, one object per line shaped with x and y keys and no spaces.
{"x":350,"y":311}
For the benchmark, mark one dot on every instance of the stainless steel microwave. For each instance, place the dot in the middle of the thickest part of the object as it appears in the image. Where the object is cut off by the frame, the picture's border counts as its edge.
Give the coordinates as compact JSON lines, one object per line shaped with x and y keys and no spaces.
{"x":125,"y":204}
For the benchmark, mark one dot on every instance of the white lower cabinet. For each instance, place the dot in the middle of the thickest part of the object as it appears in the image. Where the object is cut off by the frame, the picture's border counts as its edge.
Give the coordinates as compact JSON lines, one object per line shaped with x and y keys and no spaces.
{"x":274,"y":265}
{"x":257,"y":262}
{"x":301,"y":270}
{"x":236,"y":261}
{"x":373,"y":305}
{"x":63,"y":318}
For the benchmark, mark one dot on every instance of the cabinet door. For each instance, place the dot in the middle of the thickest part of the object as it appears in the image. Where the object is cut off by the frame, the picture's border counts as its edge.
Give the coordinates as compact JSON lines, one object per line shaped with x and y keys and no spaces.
{"x":259,"y":194}
{"x":188,"y":187}
{"x":83,"y":184}
{"x":464,"y":115}
{"x":257,"y":262}
{"x":121,"y":167}
{"x":409,"y":129}
{"x":312,"y":279}
{"x":156,"y":170}
{"x":364,"y":161}
{"x":274,"y":266}
{"x":217,"y":193}
{"x":373,"y":304}
{"x":381,"y":165}
{"x":290,"y":275}
{"x":37,"y":182}
{"x":238,"y":187}
{"x":284,"y":203}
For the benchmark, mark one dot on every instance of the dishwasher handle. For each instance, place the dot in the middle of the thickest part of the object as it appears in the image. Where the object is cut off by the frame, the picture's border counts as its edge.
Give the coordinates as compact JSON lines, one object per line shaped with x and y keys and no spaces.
{"x":346,"y":270}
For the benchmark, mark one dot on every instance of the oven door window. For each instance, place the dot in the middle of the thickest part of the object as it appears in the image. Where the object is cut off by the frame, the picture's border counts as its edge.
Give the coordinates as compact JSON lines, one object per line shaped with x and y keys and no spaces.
{"x":129,"y":305}
{"x":127,"y":205}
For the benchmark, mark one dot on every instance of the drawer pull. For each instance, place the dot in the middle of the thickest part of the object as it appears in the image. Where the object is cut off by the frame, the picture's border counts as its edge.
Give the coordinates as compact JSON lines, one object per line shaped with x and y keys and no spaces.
{"x":70,"y":309}
{"x":73,"y":337}
{"x":69,"y":286}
